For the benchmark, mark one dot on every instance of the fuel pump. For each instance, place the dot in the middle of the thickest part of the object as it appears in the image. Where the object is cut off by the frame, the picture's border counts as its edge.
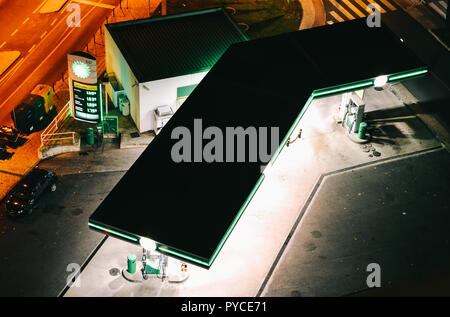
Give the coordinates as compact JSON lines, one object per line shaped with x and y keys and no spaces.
{"x":350,"y":115}
{"x":355,"y":113}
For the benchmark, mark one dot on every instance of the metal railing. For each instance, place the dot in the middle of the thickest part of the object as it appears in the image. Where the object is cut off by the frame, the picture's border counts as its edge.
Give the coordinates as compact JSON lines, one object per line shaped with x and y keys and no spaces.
{"x":61,"y":136}
{"x":48,"y":133}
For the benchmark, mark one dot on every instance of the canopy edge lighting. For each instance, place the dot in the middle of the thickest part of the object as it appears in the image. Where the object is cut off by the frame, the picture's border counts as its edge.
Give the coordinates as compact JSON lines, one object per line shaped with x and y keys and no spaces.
{"x":114,"y":232}
{"x":408,"y":74}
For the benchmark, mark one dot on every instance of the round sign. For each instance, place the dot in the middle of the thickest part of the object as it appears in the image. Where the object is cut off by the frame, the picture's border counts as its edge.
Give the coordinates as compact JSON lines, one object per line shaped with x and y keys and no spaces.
{"x":81,"y":69}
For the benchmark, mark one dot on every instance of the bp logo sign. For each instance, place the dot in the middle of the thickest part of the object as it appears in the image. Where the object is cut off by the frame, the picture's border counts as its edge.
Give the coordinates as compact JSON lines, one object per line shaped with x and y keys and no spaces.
{"x":81,"y":69}
{"x":85,"y":92}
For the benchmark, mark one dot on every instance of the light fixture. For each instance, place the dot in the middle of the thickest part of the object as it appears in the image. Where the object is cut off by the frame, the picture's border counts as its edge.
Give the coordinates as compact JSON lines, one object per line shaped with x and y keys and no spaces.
{"x":380,"y":81}
{"x":147,"y":244}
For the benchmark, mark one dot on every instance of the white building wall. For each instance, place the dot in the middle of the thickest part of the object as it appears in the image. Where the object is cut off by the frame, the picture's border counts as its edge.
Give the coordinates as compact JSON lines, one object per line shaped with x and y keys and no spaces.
{"x":115,"y":62}
{"x":160,"y":93}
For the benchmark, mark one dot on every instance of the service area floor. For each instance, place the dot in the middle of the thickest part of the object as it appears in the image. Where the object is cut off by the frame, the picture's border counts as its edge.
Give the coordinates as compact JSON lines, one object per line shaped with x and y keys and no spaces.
{"x":325,"y":211}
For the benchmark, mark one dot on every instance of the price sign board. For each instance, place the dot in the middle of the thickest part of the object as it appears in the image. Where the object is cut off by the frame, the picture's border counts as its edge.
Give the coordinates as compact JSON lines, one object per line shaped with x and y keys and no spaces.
{"x":86,"y":99}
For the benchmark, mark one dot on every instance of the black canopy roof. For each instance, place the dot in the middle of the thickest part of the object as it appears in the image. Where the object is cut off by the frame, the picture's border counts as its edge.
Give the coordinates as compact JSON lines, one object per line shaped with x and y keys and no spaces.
{"x":189,"y":209}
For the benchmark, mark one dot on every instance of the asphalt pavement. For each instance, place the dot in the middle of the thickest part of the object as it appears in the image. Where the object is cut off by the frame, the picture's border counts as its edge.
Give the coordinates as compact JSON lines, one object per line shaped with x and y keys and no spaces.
{"x":37,"y":249}
{"x":372,"y":214}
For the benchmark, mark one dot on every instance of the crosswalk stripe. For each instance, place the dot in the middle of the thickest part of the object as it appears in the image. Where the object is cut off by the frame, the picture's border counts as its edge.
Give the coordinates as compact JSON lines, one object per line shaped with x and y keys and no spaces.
{"x":354,"y":9}
{"x":389,"y":5}
{"x":443,"y":4}
{"x":437,"y":9}
{"x":336,"y":16}
{"x":377,"y":5}
{"x":342,"y":9}
{"x":363,"y":5}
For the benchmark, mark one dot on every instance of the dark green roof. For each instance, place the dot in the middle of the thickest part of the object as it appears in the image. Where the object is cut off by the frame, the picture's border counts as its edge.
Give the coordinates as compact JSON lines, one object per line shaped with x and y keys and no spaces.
{"x":175,"y":45}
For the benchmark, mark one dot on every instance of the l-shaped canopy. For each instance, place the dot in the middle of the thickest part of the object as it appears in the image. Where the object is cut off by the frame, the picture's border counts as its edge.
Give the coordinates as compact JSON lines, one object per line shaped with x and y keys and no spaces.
{"x":189,"y":209}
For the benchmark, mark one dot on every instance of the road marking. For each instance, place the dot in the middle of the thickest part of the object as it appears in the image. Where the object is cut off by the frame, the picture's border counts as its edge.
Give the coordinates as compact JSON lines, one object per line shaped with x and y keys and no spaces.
{"x":107,"y":6}
{"x":45,"y":60}
{"x":377,"y":6}
{"x":54,"y":21}
{"x":437,"y":9}
{"x":364,"y":6}
{"x":43,"y":34}
{"x":354,"y":9}
{"x":26,"y":20}
{"x":342,"y":9}
{"x":36,"y":10}
{"x":14,"y":32}
{"x":3,"y":44}
{"x":443,"y":4}
{"x":336,"y":16}
{"x":389,"y":5}
{"x":34,"y":45}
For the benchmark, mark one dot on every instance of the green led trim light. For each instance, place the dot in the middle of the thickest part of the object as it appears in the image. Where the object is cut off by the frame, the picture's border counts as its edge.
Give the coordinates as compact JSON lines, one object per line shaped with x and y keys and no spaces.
{"x":342,"y":88}
{"x":292,"y":128}
{"x":226,"y":235}
{"x":117,"y":233}
{"x":408,"y":74}
{"x":182,"y":255}
{"x":233,"y":224}
{"x":81,"y":69}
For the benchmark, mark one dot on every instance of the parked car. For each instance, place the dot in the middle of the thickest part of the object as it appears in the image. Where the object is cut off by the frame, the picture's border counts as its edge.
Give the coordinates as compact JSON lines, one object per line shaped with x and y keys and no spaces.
{"x":8,"y":133}
{"x":24,"y":195}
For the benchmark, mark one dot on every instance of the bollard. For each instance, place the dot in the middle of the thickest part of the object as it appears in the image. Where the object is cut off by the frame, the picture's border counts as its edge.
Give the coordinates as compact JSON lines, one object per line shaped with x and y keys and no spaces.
{"x":362,"y":130}
{"x":131,"y":263}
{"x":90,"y":136}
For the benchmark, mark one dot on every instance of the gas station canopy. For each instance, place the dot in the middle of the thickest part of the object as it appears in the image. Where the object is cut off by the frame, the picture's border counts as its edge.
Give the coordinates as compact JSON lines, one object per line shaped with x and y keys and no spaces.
{"x":189,"y":209}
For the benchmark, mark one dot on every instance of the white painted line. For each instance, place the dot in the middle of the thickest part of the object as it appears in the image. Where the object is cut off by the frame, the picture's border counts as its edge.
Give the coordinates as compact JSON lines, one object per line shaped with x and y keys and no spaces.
{"x":43,"y":34}
{"x":377,"y":6}
{"x":342,"y":9}
{"x":36,"y":10}
{"x":389,"y":5}
{"x":353,"y":8}
{"x":437,"y":9}
{"x":54,"y":21}
{"x":34,"y":45}
{"x":3,"y":44}
{"x":336,"y":16}
{"x":364,"y":6}
{"x":14,"y":32}
{"x":443,"y":4}
{"x":26,"y":20}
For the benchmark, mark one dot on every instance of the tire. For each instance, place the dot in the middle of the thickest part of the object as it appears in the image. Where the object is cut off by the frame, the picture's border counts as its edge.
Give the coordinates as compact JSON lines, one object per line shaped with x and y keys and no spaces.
{"x":53,"y":187}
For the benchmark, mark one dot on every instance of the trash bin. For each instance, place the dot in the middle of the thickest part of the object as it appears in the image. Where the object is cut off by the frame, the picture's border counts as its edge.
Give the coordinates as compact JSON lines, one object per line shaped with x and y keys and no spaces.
{"x":90,"y":136}
{"x":131,"y":263}
{"x":362,"y":130}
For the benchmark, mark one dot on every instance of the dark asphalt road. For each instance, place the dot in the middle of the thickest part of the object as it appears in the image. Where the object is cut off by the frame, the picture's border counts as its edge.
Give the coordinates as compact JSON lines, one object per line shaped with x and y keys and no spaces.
{"x":396,"y":214}
{"x":36,"y":249}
